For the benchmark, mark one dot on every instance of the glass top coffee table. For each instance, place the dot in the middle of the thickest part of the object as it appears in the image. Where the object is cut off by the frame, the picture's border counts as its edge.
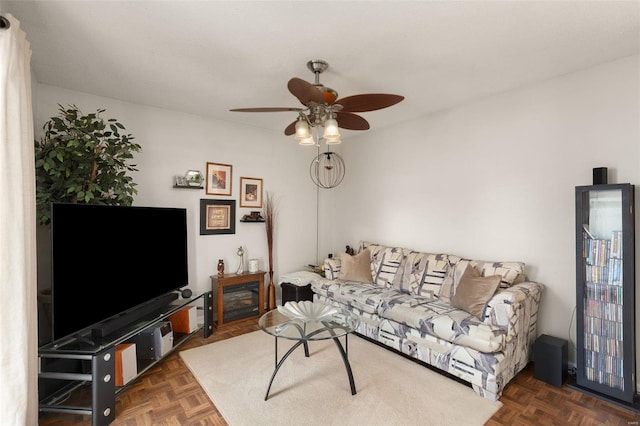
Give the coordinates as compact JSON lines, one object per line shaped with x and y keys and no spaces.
{"x":305,"y":321}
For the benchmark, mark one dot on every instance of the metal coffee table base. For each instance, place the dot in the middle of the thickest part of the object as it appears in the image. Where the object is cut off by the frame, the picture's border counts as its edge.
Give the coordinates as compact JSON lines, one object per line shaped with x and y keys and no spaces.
{"x":344,"y":353}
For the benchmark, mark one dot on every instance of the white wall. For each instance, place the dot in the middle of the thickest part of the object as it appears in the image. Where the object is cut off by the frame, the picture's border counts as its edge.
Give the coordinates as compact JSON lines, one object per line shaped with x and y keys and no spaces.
{"x":490,"y":180}
{"x":173,"y":143}
{"x":494,"y":180}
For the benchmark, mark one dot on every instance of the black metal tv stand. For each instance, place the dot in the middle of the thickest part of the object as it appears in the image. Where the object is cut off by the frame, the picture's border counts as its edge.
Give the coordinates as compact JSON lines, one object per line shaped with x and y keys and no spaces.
{"x":82,"y":360}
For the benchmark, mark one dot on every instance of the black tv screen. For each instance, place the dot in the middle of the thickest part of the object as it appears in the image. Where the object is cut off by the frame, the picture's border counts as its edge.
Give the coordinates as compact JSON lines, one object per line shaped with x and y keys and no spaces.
{"x":107,"y":260}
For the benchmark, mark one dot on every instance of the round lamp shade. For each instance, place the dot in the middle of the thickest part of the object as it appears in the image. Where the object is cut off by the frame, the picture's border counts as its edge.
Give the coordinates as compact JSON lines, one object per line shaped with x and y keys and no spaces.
{"x":327,"y":170}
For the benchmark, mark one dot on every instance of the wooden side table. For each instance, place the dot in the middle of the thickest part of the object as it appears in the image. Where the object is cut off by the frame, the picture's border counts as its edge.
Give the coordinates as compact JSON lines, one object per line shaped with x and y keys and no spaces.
{"x":219,"y":283}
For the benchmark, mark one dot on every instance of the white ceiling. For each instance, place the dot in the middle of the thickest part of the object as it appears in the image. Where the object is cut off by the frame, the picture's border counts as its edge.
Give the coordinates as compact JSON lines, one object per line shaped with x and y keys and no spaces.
{"x":206,"y":57}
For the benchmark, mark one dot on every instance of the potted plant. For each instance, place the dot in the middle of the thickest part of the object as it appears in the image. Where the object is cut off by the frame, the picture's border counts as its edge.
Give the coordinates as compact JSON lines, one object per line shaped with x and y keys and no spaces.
{"x":83,"y":159}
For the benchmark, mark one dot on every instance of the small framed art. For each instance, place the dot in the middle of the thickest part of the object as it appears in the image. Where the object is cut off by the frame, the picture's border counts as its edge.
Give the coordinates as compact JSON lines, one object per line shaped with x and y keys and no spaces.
{"x":217,"y":217}
{"x":219,"y":179}
{"x":250,"y":192}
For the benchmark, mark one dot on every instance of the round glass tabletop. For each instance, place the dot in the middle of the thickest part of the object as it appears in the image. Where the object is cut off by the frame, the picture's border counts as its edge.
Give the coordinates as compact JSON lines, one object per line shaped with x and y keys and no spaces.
{"x":293,"y":325}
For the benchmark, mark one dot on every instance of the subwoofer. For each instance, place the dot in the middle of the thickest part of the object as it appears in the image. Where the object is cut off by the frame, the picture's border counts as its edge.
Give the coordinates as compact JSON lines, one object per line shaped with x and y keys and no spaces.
{"x":550,"y":360}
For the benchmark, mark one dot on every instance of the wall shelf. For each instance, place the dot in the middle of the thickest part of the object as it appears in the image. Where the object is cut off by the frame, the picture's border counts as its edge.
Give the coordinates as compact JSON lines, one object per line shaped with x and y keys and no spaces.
{"x":187,"y":187}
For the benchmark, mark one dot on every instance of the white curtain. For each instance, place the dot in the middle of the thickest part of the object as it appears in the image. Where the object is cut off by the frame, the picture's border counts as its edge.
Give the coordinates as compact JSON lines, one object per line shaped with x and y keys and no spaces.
{"x":18,"y":287}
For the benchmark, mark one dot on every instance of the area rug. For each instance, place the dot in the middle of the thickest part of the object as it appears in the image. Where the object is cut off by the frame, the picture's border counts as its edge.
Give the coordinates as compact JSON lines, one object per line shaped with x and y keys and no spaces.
{"x":391,"y":390}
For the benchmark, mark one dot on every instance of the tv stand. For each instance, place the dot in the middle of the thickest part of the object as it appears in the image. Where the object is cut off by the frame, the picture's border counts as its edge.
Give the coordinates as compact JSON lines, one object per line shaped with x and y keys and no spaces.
{"x":81,"y":361}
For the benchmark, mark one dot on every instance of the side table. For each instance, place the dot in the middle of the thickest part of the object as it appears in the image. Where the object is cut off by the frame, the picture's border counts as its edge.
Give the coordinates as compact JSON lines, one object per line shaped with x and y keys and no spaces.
{"x":235,"y":295}
{"x":295,"y":293}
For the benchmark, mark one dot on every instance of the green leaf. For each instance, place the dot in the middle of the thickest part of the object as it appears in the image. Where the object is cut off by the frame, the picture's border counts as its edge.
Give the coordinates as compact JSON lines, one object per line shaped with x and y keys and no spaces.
{"x":65,"y":156}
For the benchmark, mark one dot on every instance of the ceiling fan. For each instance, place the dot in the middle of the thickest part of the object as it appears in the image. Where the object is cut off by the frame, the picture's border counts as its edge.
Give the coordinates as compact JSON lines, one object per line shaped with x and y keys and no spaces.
{"x":322,"y":107}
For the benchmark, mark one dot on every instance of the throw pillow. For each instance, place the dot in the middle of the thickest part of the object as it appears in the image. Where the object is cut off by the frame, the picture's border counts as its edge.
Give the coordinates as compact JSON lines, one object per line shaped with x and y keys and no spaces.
{"x":511,"y":272}
{"x":331,"y":268}
{"x":356,"y":268}
{"x":474,"y":291}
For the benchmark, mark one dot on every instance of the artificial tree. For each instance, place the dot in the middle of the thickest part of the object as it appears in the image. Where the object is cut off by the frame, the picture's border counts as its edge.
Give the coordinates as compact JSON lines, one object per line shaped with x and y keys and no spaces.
{"x":83,"y":159}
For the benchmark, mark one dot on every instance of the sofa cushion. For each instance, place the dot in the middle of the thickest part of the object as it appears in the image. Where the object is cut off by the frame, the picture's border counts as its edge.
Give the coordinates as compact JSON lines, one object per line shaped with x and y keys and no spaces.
{"x":423,"y":274}
{"x":355,"y":268}
{"x":511,"y":273}
{"x":474,"y":291}
{"x":445,"y":322}
{"x":385,"y":263}
{"x":363,"y":296}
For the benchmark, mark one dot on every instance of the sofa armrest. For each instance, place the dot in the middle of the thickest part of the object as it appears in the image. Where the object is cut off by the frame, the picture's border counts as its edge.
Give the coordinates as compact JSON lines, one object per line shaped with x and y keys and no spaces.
{"x":515,"y":309}
{"x":332,"y":268}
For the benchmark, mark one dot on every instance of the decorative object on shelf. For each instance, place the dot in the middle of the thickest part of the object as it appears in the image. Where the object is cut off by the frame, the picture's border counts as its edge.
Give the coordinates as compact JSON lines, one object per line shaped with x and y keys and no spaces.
{"x":270,"y":216}
{"x":255,"y":216}
{"x":91,"y":172}
{"x":219,"y":179}
{"x":250,"y":192}
{"x":240,"y":254}
{"x":306,"y":310}
{"x":254,"y":265}
{"x":324,"y":112}
{"x":217,"y":216}
{"x":327,"y":170}
{"x":220,"y":267}
{"x":192,"y":179}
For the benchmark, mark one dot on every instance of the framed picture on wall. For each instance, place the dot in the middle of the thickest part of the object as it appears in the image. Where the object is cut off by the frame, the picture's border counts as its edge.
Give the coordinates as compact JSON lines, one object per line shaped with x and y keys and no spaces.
{"x":219,"y":179}
{"x":250,"y":192}
{"x":217,"y":217}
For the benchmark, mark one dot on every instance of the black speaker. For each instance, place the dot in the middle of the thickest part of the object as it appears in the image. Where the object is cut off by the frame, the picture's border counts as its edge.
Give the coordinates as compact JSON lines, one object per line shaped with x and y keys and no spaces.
{"x":186,"y":293}
{"x":550,"y":360}
{"x":600,"y":176}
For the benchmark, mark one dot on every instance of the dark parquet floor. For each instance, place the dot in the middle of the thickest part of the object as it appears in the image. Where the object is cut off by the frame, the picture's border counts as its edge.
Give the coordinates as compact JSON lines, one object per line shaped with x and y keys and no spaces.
{"x":168,"y":395}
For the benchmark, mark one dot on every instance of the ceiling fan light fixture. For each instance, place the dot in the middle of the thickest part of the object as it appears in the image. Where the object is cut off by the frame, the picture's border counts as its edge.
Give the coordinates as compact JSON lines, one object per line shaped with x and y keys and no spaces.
{"x":331,"y":129}
{"x":308,"y":141}
{"x":302,"y":130}
{"x":333,"y":140}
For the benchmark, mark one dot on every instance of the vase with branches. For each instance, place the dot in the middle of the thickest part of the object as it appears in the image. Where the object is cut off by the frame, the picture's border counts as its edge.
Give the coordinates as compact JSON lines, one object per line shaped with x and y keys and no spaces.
{"x":270,"y":215}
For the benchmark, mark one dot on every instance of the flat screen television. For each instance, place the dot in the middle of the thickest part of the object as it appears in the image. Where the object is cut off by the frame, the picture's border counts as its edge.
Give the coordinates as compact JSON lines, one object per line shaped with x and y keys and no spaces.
{"x":109,"y":261}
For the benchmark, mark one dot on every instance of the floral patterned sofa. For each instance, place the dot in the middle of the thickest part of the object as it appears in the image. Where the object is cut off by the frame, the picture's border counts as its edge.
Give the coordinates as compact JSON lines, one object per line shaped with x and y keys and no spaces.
{"x":409,"y":304}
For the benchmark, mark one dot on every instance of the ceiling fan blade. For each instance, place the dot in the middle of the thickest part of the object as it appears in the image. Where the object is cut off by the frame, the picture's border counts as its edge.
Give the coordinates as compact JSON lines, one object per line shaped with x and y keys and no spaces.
{"x":265,"y":109}
{"x":350,"y":121}
{"x":290,"y":129}
{"x":304,"y":91}
{"x":368,"y":102}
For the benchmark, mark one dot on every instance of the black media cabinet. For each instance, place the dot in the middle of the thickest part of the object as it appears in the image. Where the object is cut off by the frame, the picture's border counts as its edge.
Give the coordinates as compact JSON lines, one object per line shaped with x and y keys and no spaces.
{"x":79,"y":361}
